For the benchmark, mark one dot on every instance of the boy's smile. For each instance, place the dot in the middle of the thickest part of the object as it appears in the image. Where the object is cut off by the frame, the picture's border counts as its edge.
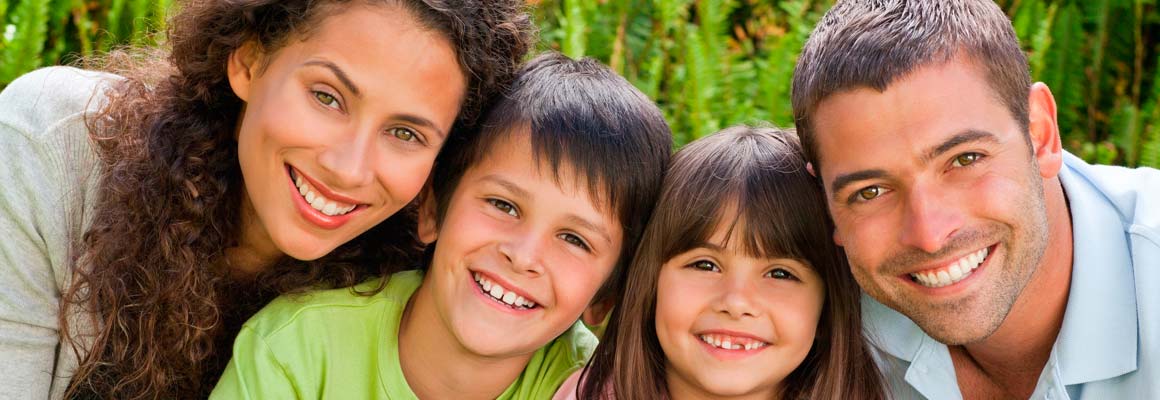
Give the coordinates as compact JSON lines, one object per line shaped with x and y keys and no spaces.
{"x":520,"y":254}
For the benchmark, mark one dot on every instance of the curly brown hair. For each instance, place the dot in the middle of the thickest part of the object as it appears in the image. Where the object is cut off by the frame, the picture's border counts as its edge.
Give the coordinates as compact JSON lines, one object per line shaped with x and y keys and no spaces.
{"x":153,"y":309}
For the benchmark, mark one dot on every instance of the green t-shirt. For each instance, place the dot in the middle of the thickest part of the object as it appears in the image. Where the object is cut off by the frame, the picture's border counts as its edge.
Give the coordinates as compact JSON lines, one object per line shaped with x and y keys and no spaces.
{"x":335,"y":344}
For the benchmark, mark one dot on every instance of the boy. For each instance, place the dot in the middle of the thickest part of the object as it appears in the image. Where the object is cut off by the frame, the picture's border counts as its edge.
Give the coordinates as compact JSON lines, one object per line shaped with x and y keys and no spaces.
{"x":535,"y":215}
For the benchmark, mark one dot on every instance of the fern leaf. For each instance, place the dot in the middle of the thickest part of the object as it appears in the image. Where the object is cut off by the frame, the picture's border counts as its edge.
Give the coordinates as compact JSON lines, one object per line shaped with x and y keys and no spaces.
{"x":23,"y":52}
{"x":1063,"y":68}
{"x":1150,"y":152}
{"x":1125,"y":131}
{"x":575,"y":26}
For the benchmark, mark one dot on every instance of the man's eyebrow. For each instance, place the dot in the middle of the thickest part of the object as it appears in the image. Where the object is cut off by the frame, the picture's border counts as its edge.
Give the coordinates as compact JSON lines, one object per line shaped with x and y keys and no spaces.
{"x":967,"y":136}
{"x":844,"y":180}
{"x":338,"y":72}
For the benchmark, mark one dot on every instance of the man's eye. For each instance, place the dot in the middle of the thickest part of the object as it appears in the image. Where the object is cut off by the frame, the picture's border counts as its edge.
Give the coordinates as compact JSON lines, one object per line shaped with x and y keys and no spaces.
{"x":705,"y":266}
{"x":870,"y":193}
{"x":966,"y":159}
{"x":326,"y":99}
{"x":404,"y":134}
{"x":504,"y":206}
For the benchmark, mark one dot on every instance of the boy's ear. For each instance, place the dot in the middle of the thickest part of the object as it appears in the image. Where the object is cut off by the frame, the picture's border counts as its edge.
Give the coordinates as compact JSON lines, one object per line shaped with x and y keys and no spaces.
{"x":428,"y":228}
{"x":596,"y":312}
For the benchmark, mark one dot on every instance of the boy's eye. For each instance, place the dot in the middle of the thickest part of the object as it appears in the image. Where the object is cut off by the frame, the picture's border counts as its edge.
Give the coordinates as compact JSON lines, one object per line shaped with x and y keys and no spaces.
{"x":778,"y":273}
{"x":705,"y":265}
{"x":966,"y":159}
{"x":326,"y":99}
{"x":404,"y":134}
{"x":575,"y":241}
{"x":504,"y":206}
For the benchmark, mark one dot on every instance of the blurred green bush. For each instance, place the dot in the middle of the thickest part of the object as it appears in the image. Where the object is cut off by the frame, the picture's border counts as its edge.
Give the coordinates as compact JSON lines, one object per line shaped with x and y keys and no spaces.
{"x":715,"y":63}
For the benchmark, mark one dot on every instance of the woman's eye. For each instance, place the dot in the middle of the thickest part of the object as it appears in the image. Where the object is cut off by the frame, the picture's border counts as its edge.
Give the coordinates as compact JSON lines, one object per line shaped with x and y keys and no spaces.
{"x":575,"y":241}
{"x":705,"y":266}
{"x":779,"y":273}
{"x":966,"y":159}
{"x":404,"y":134}
{"x":326,"y":99}
{"x":870,"y":193}
{"x":504,"y":206}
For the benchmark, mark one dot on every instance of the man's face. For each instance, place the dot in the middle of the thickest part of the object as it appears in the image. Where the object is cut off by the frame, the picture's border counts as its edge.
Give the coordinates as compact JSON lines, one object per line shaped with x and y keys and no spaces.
{"x":937,"y":197}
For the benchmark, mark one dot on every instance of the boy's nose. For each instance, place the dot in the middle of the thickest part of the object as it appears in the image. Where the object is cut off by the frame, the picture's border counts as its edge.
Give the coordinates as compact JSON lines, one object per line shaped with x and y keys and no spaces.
{"x":523,"y":254}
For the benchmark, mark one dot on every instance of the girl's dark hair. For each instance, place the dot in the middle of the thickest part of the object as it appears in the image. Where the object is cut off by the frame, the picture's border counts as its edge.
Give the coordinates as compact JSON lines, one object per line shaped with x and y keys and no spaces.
{"x":762,"y":173}
{"x":152,"y":310}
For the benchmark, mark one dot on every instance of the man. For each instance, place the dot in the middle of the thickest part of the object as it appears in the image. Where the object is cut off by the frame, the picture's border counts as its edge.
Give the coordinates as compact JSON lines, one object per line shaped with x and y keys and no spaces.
{"x":996,"y":265}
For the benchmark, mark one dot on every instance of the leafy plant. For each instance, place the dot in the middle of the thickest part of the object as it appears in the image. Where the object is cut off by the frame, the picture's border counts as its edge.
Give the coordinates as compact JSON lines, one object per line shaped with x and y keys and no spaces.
{"x":714,"y":63}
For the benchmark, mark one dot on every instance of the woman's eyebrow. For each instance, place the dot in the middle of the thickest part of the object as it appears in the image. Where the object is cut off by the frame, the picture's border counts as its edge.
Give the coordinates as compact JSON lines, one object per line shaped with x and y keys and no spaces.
{"x":338,"y":73}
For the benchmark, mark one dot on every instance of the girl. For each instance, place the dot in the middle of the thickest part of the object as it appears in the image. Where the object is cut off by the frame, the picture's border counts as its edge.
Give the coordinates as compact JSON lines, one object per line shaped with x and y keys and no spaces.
{"x":158,"y":210}
{"x":737,"y":290}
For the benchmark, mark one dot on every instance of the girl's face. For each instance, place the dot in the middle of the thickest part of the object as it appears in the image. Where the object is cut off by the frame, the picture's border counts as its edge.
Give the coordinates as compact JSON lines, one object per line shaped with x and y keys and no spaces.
{"x":732,"y":325}
{"x":341,"y":127}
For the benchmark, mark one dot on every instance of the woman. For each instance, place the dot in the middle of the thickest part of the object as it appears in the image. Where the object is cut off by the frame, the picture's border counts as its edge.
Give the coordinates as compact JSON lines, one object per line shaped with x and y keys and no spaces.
{"x":158,"y":210}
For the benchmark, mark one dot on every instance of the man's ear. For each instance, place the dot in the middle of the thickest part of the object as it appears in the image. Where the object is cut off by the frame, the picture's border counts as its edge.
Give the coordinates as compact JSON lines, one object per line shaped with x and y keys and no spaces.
{"x":428,"y":227}
{"x":1043,"y":129}
{"x":810,"y":169}
{"x":242,"y":67}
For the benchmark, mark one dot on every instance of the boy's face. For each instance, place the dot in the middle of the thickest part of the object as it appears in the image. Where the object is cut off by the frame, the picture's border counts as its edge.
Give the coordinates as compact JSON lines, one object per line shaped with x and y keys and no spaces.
{"x":520,"y":254}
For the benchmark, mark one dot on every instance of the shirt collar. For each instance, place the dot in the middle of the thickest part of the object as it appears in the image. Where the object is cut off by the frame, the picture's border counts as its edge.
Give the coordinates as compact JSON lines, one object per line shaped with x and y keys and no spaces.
{"x":1098,"y":338}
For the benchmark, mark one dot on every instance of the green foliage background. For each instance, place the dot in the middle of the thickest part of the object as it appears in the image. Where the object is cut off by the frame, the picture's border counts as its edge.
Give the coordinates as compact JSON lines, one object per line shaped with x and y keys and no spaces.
{"x":715,"y":63}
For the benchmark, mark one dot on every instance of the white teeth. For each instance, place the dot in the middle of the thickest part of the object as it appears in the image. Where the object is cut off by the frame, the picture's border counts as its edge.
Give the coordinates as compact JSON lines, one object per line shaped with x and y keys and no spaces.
{"x":955,"y":272}
{"x":317,"y":201}
{"x":497,"y":292}
{"x":732,"y":343}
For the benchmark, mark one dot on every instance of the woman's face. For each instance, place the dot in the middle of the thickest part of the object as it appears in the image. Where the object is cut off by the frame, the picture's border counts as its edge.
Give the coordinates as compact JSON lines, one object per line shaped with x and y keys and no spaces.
{"x":732,"y":325}
{"x":340,"y":127}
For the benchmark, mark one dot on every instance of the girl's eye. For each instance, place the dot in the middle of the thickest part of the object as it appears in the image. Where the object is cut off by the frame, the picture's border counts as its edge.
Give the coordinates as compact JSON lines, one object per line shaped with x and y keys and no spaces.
{"x":504,"y":206}
{"x":704,"y":265}
{"x":575,"y":241}
{"x":966,"y":159}
{"x":404,"y":134}
{"x":869,"y":193}
{"x":778,"y":273}
{"x":326,"y":99}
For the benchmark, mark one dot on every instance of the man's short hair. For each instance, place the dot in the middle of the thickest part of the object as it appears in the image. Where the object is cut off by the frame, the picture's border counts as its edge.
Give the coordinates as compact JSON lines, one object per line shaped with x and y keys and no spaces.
{"x":872,"y":43}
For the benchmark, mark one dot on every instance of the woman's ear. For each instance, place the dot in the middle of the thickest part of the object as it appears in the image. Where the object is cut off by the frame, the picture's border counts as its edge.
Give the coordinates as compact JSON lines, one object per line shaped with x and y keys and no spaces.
{"x":242,"y":67}
{"x":428,"y":226}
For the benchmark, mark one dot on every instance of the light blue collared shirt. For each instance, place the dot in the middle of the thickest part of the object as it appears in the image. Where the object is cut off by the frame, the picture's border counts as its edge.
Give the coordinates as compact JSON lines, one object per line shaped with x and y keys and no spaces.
{"x":1109,"y":344}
